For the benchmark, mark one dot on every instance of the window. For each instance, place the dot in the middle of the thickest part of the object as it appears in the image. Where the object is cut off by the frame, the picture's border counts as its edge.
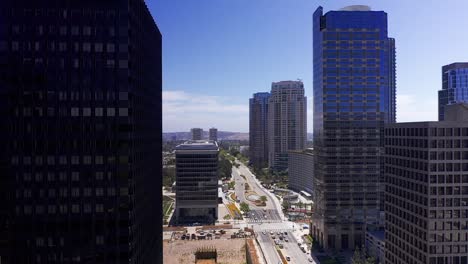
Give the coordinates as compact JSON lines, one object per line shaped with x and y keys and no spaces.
{"x":87,"y":31}
{"x":87,"y":192}
{"x":75,"y":192}
{"x":99,"y":240}
{"x":86,"y":111}
{"x":75,"y":176}
{"x":123,"y":64}
{"x":75,"y":111}
{"x":75,"y":31}
{"x":110,"y":64}
{"x":110,"y":111}
{"x":75,"y":208}
{"x":75,"y":160}
{"x":63,"y":30}
{"x":99,"y":192}
{"x":99,"y":208}
{"x":98,"y":47}
{"x":86,"y":47}
{"x":98,"y":111}
{"x":123,"y":111}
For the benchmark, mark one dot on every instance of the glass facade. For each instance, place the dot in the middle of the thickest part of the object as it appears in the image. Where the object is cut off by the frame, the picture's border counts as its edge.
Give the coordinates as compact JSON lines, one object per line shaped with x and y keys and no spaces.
{"x":354,"y":96}
{"x":454,"y":86}
{"x":258,"y":130}
{"x":81,"y":111}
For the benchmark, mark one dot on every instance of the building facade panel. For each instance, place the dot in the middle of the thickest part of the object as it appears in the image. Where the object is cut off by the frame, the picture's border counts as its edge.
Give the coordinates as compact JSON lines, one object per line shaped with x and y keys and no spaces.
{"x":454,"y":86}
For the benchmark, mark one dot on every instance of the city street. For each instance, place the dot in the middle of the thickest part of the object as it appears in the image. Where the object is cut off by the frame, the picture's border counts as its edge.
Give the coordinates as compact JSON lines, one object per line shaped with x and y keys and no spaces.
{"x":269,"y":218}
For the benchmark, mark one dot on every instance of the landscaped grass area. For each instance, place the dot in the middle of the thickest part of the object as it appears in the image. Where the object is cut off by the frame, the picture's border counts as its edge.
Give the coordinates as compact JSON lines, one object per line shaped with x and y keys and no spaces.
{"x":168,"y":204}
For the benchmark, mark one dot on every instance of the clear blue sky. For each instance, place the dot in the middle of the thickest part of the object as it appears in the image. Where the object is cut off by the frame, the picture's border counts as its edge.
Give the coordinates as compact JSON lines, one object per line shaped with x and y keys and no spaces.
{"x":216,"y":53}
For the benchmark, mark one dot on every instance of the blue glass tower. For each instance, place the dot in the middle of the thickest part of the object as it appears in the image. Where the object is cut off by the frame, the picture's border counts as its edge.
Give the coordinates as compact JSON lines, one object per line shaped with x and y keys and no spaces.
{"x":354,"y":96}
{"x":258,"y":129}
{"x":454,"y":86}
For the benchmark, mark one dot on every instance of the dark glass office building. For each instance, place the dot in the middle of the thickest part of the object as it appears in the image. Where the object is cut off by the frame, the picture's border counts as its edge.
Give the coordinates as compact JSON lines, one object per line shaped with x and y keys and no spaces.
{"x":354,"y":96}
{"x":454,"y":86}
{"x":258,"y":129}
{"x":80,"y":85}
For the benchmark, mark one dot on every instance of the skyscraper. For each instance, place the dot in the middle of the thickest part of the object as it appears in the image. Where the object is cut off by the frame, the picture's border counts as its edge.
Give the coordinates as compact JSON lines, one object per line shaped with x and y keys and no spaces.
{"x":213,"y":134}
{"x":454,"y":86}
{"x":82,"y":164}
{"x":354,"y":96}
{"x":196,"y":182}
{"x":287,"y":122}
{"x":258,"y":130}
{"x":426,"y":195}
{"x":197,"y":133}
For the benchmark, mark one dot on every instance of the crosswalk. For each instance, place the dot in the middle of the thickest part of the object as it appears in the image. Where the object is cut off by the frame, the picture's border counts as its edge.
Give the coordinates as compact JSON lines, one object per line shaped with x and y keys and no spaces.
{"x":263,"y":221}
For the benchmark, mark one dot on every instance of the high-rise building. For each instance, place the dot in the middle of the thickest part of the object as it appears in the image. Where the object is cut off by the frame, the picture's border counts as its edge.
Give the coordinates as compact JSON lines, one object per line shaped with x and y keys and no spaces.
{"x":354,"y":96}
{"x":82,"y":163}
{"x":454,"y":86}
{"x":301,"y":171}
{"x":426,"y":194}
{"x":287,"y":122}
{"x":213,"y":134}
{"x":258,"y":130}
{"x":196,"y":182}
{"x":197,"y":133}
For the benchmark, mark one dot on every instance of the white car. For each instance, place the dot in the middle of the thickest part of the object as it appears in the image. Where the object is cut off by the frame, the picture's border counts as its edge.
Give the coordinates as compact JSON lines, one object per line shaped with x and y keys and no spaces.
{"x":310,"y":260}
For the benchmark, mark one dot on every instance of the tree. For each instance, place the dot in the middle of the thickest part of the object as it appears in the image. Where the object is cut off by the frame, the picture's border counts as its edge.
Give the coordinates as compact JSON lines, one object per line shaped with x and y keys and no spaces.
{"x":245,"y":207}
{"x":168,"y":176}
{"x":286,"y":204}
{"x":227,"y":217}
{"x":263,"y":198}
{"x":359,"y":257}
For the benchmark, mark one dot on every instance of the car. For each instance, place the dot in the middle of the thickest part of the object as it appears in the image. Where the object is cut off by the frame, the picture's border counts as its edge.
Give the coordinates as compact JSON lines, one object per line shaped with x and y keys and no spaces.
{"x":285,"y":232}
{"x":280,"y":246}
{"x":286,"y":240}
{"x":310,"y":260}
{"x":263,"y":232}
{"x":255,"y":218}
{"x":271,"y":232}
{"x":288,"y":258}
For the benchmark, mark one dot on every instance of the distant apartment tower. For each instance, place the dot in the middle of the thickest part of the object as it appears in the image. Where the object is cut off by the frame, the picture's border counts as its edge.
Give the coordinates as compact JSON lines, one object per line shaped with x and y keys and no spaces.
{"x":213,"y":134}
{"x":196,"y":182}
{"x":287,"y":122}
{"x":81,"y":100}
{"x":197,"y":133}
{"x":454,"y":86}
{"x":426,"y":194}
{"x":258,"y":130}
{"x":354,"y":96}
{"x":301,"y":171}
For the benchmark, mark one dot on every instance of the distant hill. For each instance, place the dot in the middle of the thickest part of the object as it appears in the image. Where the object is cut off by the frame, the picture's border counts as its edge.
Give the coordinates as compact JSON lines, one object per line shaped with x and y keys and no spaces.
{"x":222,"y":135}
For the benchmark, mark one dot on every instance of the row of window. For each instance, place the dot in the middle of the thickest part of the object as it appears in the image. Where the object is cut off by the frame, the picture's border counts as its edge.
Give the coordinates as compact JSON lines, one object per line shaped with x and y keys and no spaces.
{"x":75,"y":111}
{"x":61,"y":209}
{"x":74,"y":192}
{"x":62,"y":46}
{"x":63,"y":160}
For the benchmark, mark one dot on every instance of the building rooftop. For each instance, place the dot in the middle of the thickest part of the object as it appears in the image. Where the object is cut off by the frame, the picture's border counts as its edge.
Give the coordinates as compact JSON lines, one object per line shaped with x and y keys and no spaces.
{"x":379,"y":234}
{"x":198,"y":145}
{"x":356,"y":8}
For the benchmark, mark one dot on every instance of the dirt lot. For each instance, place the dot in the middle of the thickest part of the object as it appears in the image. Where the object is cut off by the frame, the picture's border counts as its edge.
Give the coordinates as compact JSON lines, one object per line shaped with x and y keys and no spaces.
{"x":230,"y":251}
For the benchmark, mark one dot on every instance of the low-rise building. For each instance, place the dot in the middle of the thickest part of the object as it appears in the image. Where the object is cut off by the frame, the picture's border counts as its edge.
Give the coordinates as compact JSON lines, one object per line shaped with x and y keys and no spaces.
{"x":375,"y":245}
{"x":301,"y":171}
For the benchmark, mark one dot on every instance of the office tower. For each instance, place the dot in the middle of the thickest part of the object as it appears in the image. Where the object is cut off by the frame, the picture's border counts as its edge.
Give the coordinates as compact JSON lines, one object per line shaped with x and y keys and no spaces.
{"x":426,"y":194}
{"x":354,"y":96}
{"x":213,"y":134}
{"x":258,"y":130}
{"x":301,"y":171}
{"x":454,"y":86}
{"x":197,"y":133}
{"x":287,"y":122}
{"x":196,"y":182}
{"x":83,"y":84}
